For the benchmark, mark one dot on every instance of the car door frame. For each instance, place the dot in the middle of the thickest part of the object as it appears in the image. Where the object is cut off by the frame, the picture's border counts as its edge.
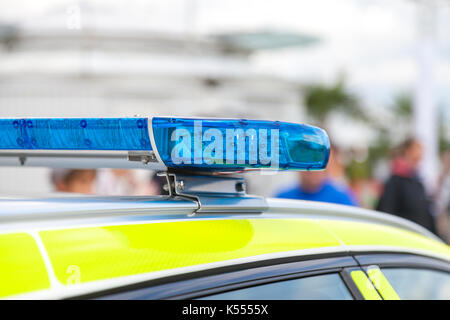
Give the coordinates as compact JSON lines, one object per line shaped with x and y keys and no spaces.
{"x":401,"y":260}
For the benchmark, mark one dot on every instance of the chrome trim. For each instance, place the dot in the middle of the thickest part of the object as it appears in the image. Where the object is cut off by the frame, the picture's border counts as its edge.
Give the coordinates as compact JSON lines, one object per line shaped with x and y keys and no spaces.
{"x":65,"y":153}
{"x":227,"y":205}
{"x":142,"y":156}
{"x":38,"y":211}
{"x":153,"y":143}
{"x":73,"y":159}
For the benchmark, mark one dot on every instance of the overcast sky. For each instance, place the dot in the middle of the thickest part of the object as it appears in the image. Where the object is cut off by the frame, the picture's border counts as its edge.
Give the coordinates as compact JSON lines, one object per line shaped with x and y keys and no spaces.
{"x":373,"y":41}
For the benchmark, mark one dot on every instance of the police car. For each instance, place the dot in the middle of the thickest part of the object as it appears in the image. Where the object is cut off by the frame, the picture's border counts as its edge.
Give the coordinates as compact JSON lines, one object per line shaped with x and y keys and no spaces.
{"x":207,"y":239}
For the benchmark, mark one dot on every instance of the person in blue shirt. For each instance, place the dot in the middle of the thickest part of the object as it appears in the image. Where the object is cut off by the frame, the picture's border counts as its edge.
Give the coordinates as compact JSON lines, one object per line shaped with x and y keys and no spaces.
{"x":317,"y":186}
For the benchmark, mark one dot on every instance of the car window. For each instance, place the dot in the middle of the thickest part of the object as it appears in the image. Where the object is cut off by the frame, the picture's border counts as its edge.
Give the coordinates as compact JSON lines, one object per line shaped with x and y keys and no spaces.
{"x":323,"y":287}
{"x":419,"y":284}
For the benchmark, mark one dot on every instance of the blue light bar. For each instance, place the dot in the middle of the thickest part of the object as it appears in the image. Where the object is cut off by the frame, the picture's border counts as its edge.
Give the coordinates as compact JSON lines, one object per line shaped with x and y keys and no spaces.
{"x":190,"y":144}
{"x":227,"y":145}
{"x":75,"y":134}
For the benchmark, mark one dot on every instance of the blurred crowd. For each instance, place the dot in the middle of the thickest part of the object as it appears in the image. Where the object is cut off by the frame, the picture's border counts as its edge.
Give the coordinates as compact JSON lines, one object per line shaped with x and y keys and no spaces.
{"x":106,"y":182}
{"x":402,"y":194}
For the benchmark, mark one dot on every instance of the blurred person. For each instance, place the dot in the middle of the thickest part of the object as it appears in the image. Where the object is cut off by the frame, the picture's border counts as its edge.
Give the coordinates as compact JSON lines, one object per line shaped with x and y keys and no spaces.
{"x":73,"y":180}
{"x":318,"y":186}
{"x":368,"y":192}
{"x":116,"y":182}
{"x":367,"y":189}
{"x":336,"y":167}
{"x":404,"y":194}
{"x":442,"y":198}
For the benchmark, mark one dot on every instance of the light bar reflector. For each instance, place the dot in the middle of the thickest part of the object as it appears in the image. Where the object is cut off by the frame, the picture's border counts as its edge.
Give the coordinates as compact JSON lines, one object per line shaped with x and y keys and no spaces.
{"x":75,"y":134}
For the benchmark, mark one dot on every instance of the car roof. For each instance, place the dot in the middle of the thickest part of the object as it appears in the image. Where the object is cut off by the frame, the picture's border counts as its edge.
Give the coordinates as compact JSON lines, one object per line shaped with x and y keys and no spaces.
{"x":121,"y":240}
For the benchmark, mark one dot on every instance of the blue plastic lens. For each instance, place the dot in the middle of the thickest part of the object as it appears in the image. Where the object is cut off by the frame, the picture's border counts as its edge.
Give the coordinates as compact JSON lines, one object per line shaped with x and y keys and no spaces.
{"x":75,"y":134}
{"x":238,"y":144}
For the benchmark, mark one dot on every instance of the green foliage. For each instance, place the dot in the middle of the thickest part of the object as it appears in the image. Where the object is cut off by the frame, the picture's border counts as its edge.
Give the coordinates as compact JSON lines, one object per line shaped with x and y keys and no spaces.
{"x":381,"y":148}
{"x":322,"y":100}
{"x":444,"y":142}
{"x":358,"y":170}
{"x":403,"y":109}
{"x":403,"y":106}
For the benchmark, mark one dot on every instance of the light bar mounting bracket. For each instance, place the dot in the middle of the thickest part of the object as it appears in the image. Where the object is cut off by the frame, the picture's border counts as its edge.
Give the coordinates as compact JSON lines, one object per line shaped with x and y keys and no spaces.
{"x":214,"y":193}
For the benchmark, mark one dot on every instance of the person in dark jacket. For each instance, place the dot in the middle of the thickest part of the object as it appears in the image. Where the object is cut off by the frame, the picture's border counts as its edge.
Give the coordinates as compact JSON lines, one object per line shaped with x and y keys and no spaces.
{"x":404,"y":194}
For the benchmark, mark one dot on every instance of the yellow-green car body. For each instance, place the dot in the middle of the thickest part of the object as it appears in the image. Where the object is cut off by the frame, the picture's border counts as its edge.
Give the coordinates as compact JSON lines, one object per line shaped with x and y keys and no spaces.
{"x":157,"y":248}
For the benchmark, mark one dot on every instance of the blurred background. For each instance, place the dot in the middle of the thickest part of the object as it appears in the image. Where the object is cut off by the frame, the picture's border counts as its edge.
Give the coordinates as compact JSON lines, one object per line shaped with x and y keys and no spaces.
{"x":371,"y":72}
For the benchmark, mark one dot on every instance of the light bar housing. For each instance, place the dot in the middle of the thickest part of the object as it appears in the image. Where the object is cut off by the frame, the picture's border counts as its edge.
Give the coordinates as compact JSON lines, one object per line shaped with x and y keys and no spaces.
{"x":209,"y":145}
